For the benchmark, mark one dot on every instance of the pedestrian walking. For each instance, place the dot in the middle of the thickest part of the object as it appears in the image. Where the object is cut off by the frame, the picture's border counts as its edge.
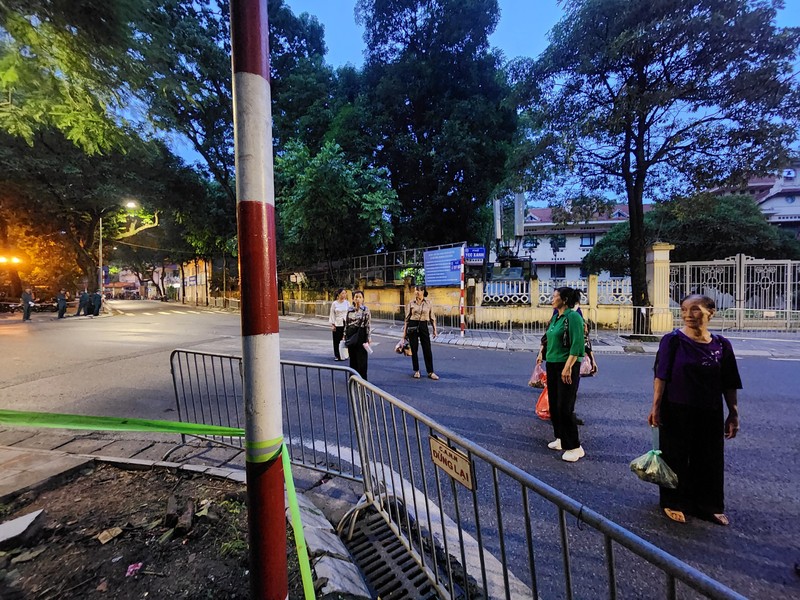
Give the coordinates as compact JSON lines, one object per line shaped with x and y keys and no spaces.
{"x":61,"y":303}
{"x":694,"y":371}
{"x":357,"y":326}
{"x":339,"y":308}
{"x":419,"y":314}
{"x":27,"y":304}
{"x":563,"y":351}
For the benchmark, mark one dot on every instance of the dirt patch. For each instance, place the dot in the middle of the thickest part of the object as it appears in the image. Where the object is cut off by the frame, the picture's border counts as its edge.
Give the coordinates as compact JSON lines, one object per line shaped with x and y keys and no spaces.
{"x":147,"y":556}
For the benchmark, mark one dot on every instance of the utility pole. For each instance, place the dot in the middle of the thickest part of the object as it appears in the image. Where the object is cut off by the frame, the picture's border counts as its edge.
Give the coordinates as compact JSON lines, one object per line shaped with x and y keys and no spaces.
{"x":255,"y":204}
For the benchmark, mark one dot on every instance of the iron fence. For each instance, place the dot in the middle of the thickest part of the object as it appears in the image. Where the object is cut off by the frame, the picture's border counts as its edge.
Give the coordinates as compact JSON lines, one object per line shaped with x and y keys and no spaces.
{"x":317,"y":420}
{"x":480,"y":527}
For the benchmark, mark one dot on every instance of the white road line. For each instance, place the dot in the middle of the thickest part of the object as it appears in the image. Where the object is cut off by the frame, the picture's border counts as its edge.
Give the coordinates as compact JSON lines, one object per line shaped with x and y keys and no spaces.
{"x":148,"y":314}
{"x":787,"y":359}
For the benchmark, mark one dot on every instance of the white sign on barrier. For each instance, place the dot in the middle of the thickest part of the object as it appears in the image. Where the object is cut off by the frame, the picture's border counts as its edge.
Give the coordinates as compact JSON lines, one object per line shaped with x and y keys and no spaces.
{"x":453,"y":462}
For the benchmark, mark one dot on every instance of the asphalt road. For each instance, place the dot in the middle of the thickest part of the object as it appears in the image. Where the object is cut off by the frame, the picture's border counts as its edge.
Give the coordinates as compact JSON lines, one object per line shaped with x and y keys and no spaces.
{"x":120,"y":366}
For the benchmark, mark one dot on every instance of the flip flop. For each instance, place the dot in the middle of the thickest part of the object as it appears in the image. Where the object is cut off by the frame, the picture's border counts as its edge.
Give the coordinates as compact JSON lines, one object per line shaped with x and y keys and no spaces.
{"x":720,"y":519}
{"x":675,"y":515}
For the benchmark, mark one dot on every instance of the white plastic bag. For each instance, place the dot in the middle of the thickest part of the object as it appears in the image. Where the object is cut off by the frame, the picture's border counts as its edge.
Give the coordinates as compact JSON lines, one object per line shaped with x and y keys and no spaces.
{"x":343,"y":353}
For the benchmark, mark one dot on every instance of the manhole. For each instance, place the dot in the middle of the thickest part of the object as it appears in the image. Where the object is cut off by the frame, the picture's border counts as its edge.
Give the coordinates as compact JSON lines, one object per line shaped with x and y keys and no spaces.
{"x":388,"y":567}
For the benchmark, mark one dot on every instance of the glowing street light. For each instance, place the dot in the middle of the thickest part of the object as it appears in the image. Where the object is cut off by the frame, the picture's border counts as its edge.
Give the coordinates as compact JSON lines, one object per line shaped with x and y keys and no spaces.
{"x":15,"y":260}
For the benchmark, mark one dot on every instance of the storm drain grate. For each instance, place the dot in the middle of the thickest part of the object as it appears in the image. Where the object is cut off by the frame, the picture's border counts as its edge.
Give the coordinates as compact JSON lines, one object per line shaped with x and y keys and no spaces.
{"x":388,"y":567}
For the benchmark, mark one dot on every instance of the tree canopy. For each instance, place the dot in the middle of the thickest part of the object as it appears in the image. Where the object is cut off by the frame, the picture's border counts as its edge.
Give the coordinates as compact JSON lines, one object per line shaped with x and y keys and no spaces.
{"x":646,"y":99}
{"x":701,"y":228}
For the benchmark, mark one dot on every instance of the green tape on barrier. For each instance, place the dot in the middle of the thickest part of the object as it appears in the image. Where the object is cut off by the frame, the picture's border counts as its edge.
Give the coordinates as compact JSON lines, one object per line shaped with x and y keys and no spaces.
{"x":60,"y":421}
{"x":297,"y":527}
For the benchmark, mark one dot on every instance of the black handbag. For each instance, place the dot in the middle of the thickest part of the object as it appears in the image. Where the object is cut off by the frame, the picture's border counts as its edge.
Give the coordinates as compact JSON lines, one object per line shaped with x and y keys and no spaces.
{"x":355,"y":334}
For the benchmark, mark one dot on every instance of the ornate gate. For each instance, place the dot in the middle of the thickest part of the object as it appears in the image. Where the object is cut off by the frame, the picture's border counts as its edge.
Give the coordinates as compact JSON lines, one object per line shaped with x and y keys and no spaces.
{"x":748,"y":291}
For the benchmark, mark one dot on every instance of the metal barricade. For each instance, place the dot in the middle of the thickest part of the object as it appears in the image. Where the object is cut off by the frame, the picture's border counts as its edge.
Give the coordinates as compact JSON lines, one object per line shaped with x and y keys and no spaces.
{"x":480,"y":527}
{"x":317,"y":420}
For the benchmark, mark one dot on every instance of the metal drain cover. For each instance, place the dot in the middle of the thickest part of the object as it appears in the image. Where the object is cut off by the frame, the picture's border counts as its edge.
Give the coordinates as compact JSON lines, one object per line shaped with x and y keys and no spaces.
{"x":388,"y":567}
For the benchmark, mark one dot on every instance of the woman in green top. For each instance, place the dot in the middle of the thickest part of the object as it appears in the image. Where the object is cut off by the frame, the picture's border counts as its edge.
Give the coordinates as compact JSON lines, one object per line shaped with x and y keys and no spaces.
{"x":563,"y":371}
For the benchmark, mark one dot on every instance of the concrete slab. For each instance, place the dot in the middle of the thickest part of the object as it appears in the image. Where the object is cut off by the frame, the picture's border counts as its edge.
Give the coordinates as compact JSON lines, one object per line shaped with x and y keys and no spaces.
{"x":215,"y":456}
{"x":337,"y":578}
{"x":38,"y":471}
{"x":48,"y":440}
{"x":16,"y":531}
{"x":335,"y":497}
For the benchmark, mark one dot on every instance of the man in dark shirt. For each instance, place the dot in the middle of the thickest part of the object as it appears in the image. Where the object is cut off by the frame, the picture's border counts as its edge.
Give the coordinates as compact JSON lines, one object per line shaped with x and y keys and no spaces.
{"x":61,"y":302}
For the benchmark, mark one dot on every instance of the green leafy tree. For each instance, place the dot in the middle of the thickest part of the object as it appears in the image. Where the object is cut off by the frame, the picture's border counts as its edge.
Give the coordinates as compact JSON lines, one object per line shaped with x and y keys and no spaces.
{"x":701,"y":228}
{"x":435,"y":107}
{"x":330,"y":208}
{"x":64,"y":64}
{"x":646,"y":99}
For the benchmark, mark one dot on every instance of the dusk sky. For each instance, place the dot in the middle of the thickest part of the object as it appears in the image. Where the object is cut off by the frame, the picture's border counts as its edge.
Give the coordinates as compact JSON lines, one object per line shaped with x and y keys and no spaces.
{"x":522,"y":30}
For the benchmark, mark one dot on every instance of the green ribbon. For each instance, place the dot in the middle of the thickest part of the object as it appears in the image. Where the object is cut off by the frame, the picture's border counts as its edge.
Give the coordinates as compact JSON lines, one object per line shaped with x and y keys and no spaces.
{"x":297,"y":527}
{"x":61,"y":421}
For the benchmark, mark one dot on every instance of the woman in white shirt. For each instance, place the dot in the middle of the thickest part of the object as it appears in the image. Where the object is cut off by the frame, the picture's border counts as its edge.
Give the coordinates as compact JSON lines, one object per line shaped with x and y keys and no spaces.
{"x":339,"y":308}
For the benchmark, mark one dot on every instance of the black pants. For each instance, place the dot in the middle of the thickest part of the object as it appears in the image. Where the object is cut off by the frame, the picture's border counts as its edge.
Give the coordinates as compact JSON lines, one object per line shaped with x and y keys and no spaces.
{"x":692,"y":442}
{"x":562,"y":398}
{"x":338,"y":334}
{"x":26,"y":311}
{"x":422,"y":337}
{"x":62,"y":309}
{"x":359,"y":359}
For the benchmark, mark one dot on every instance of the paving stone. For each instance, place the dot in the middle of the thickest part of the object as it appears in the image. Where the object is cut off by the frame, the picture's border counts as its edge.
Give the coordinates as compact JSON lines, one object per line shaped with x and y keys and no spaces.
{"x":123,"y":448}
{"x":305,"y":479}
{"x":47,"y":440}
{"x":156,"y":451}
{"x":339,"y":579}
{"x":84,"y":446}
{"x":311,"y":518}
{"x":33,"y":471}
{"x":335,"y":497}
{"x":214,"y":456}
{"x":10,"y":437}
{"x":131,"y":464}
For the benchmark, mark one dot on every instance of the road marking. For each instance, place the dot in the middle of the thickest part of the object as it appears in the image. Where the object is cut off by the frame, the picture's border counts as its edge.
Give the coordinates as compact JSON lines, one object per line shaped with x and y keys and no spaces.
{"x":148,"y":314}
{"x":787,"y":359}
{"x":163,"y":312}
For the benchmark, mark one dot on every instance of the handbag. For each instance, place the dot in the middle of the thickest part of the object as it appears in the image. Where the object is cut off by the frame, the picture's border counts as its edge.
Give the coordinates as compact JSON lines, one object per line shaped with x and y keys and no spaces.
{"x":411,"y":329}
{"x":358,"y":336}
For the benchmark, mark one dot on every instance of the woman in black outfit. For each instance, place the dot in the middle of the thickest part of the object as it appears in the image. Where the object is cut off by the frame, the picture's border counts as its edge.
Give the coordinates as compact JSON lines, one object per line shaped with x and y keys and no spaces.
{"x":358,"y":321}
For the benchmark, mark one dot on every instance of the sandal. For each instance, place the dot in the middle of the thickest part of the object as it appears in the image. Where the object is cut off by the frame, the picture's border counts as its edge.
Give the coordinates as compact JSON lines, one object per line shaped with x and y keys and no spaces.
{"x":416,"y":375}
{"x":433,"y":376}
{"x":675,"y":515}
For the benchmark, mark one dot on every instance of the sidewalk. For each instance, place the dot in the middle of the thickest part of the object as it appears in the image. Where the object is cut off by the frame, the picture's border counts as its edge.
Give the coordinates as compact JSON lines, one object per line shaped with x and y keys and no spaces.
{"x":603,"y":342}
{"x":32,"y":459}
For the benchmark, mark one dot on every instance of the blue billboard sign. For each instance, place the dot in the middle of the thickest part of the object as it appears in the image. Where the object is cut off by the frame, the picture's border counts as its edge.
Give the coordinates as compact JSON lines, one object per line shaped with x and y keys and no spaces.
{"x":443,"y":267}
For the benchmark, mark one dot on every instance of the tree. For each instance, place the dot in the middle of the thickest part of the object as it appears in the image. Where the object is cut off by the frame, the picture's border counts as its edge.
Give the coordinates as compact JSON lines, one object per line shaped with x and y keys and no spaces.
{"x":54,"y":187}
{"x":63,"y":65}
{"x":330,"y":208}
{"x":647,"y":99}
{"x":434,"y":106}
{"x":701,"y":228}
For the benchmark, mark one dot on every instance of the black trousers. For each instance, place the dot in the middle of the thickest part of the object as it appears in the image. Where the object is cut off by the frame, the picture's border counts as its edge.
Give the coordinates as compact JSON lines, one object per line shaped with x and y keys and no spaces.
{"x":562,"y":398}
{"x":692,"y":442}
{"x":359,"y":359}
{"x":338,"y":334}
{"x":422,"y":337}
{"x":62,"y":309}
{"x":26,"y":312}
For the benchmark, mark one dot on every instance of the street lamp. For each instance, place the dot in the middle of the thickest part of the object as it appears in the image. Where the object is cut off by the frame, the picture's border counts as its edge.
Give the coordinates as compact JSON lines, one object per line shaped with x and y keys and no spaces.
{"x":130,"y":204}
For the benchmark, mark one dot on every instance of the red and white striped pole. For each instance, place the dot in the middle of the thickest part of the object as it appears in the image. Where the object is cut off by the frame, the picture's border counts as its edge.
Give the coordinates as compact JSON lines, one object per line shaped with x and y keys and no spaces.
{"x":461,"y":301}
{"x":255,"y":203}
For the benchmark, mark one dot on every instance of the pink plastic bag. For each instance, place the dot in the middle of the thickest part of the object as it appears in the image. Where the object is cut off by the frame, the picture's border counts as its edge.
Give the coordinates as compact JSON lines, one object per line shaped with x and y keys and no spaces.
{"x":538,"y":377}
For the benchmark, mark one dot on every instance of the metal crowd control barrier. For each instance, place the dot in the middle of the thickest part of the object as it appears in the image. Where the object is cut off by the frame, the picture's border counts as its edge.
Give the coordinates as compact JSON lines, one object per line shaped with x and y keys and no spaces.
{"x":478,"y":526}
{"x":482,"y":528}
{"x":317,"y":419}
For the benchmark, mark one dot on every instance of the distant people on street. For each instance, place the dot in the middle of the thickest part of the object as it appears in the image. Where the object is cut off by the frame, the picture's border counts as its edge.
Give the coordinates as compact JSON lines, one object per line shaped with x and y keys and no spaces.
{"x":357,"y":326}
{"x":563,"y":352}
{"x":27,"y":304}
{"x":61,"y":303}
{"x":83,"y":304}
{"x":419,"y":314}
{"x":694,"y":371}
{"x":339,"y":308}
{"x":96,"y":302}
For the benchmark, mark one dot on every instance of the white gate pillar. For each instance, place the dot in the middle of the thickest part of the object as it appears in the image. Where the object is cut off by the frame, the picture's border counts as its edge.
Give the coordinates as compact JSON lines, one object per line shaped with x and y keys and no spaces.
{"x":658,"y":286}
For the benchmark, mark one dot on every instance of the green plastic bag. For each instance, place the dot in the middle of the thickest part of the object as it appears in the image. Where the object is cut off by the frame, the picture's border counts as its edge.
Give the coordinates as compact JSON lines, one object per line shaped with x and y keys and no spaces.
{"x":652,"y":468}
